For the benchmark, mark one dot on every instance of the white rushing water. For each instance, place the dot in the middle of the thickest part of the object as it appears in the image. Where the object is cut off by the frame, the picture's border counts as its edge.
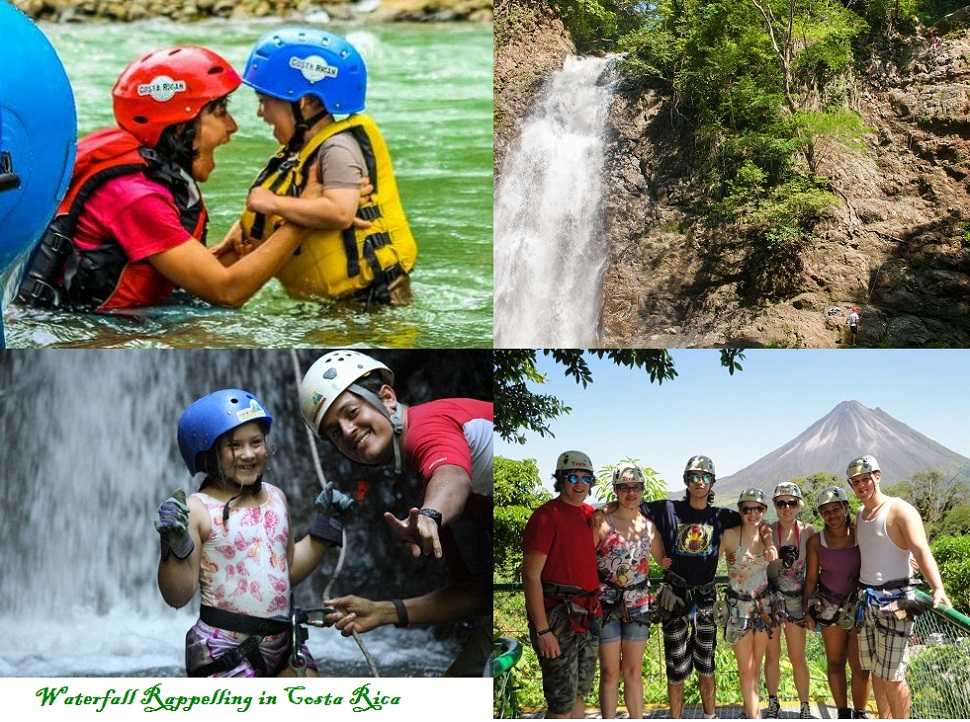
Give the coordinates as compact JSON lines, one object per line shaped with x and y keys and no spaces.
{"x":548,"y":250}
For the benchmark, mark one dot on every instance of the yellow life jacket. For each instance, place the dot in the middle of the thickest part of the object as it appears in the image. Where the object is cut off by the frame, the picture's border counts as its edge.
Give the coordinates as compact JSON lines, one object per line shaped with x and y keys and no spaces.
{"x":335,"y":263}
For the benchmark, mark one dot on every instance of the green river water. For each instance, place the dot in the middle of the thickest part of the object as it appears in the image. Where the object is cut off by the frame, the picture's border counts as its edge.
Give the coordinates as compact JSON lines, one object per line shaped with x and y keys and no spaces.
{"x":430,"y":90}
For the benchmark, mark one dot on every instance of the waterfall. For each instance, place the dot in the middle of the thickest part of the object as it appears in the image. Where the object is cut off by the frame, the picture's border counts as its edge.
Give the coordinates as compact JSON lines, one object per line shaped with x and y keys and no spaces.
{"x":90,"y":453}
{"x":548,"y":250}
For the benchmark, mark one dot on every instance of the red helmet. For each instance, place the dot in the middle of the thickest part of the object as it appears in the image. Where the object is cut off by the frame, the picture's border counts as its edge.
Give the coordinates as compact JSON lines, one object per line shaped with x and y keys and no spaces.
{"x":169,"y":86}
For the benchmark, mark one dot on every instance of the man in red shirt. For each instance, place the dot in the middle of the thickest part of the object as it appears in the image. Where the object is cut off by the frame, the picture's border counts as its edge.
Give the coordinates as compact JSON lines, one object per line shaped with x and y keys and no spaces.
{"x":561,"y":588}
{"x":348,"y":398}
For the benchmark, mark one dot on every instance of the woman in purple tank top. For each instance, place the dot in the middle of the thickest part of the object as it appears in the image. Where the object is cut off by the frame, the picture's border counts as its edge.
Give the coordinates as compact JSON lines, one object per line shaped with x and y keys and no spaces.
{"x":831,"y":574}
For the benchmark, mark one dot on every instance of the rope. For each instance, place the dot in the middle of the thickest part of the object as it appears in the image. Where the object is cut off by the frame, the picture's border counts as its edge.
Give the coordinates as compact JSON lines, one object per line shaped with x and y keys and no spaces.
{"x":324,"y":484}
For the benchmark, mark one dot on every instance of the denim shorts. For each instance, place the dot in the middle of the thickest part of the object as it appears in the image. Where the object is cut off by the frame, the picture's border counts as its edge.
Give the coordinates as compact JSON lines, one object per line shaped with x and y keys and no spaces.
{"x":617,"y":630}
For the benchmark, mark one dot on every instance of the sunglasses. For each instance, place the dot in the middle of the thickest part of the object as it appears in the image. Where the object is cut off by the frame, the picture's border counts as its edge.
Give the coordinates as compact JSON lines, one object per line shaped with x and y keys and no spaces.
{"x":752,"y":509}
{"x":786,"y":504}
{"x":623,"y":488}
{"x":700,"y":478}
{"x":574,"y":479}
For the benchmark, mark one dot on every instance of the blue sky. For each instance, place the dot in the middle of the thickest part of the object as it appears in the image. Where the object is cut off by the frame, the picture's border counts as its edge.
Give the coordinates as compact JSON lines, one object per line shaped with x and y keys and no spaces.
{"x":737,"y":419}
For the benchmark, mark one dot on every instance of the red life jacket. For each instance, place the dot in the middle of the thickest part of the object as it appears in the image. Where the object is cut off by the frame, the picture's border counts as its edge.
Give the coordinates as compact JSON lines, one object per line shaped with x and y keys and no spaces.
{"x":62,"y":274}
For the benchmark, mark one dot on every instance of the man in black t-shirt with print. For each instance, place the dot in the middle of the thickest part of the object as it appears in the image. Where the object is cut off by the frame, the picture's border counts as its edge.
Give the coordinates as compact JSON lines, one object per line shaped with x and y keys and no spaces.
{"x":691,"y":531}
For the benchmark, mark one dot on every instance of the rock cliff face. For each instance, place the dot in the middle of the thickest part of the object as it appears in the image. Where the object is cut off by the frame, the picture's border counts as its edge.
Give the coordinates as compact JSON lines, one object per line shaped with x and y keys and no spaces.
{"x":382,"y":10}
{"x":898,"y":244}
{"x":530,"y":44}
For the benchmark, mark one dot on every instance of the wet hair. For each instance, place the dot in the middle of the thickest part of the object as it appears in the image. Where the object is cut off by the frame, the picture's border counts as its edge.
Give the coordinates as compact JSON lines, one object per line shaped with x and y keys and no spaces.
{"x":176,"y":142}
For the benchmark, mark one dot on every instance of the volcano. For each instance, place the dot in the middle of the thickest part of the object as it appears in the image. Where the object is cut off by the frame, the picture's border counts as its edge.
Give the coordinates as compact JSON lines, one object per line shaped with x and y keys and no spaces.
{"x":847,"y":431}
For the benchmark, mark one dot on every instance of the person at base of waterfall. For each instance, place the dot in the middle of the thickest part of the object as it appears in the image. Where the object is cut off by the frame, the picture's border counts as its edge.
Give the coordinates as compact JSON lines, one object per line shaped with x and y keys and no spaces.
{"x":348,"y":399}
{"x":232,"y":541}
{"x":791,"y":537}
{"x":890,"y":534}
{"x":852,"y":323}
{"x":831,"y":574}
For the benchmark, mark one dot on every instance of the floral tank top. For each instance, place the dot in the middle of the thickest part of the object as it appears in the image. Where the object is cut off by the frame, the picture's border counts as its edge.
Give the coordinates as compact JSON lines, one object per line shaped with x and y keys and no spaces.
{"x":625,"y":563}
{"x":749,"y":573}
{"x":244,"y":568}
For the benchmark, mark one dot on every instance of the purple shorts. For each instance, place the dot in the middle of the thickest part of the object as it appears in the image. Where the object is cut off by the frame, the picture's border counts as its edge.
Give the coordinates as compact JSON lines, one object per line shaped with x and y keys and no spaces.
{"x":204,"y":644}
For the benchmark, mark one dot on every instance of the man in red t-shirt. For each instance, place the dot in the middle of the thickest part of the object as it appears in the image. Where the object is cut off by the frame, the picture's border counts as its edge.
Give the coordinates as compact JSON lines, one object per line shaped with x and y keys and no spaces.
{"x":348,"y":398}
{"x":561,"y":588}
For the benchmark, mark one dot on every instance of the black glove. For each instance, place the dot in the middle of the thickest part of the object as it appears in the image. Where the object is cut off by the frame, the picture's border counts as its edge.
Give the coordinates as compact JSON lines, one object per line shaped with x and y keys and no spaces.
{"x":327,"y":524}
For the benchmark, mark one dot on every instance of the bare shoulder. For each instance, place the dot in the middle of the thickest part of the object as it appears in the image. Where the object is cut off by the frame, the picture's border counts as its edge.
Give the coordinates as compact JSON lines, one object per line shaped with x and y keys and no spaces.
{"x":809,"y":530}
{"x":729,"y":542}
{"x":199,"y":516}
{"x":813,"y":540}
{"x":902,"y":511}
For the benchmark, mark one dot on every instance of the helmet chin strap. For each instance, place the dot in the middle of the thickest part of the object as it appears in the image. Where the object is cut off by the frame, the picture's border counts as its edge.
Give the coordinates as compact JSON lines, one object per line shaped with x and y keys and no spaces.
{"x":250,"y":490}
{"x":396,"y":418}
{"x":302,"y":125}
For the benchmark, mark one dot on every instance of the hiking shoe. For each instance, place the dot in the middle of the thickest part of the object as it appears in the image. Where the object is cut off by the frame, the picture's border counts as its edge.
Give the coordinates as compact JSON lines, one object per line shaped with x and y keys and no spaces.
{"x":860,"y":714}
{"x":774,"y":708}
{"x":806,"y":712}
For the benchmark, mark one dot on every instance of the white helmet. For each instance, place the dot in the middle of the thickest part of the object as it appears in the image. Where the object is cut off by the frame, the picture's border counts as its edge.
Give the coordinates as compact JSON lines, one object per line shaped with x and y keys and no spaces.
{"x":619,"y":471}
{"x":574,"y":460}
{"x":338,"y":371}
{"x":862,"y":465}
{"x":755,"y":495}
{"x":830,"y":494}
{"x":787,"y":488}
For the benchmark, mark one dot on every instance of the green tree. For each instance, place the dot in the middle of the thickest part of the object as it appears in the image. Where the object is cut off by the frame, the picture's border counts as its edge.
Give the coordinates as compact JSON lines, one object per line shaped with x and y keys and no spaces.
{"x":517,"y":492}
{"x":519,"y":409}
{"x":956,"y":521}
{"x":932,"y":493}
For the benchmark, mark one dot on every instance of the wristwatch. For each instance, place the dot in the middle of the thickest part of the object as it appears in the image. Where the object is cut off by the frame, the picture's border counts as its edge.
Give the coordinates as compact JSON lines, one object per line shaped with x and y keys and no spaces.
{"x":433,"y":514}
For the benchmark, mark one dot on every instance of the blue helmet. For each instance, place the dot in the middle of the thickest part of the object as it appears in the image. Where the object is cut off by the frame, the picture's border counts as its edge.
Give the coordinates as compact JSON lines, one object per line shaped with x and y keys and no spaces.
{"x":294,"y":62}
{"x":38,"y":131}
{"x":201,"y":425}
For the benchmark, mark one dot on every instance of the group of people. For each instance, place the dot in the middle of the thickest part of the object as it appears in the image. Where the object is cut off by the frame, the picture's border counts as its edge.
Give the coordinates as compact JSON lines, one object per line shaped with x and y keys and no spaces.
{"x":323,"y":215}
{"x":232,"y":540}
{"x":588,"y":590}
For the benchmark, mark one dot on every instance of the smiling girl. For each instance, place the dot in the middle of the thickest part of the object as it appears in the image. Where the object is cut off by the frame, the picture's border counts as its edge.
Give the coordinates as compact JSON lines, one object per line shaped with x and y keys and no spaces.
{"x":232,"y":540}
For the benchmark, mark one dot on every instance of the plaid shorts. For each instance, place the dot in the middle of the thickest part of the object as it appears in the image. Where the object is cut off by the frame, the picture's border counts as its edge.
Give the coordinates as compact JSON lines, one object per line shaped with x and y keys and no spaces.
{"x":689,"y":642}
{"x":570,"y":675}
{"x":884,"y":643}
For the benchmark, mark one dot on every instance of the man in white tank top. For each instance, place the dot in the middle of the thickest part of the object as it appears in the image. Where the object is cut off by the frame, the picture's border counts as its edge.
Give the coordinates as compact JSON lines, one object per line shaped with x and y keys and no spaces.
{"x":890,"y":534}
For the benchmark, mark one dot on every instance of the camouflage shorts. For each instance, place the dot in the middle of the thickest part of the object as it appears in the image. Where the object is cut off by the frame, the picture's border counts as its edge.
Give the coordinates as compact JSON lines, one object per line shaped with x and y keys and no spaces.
{"x":570,"y":675}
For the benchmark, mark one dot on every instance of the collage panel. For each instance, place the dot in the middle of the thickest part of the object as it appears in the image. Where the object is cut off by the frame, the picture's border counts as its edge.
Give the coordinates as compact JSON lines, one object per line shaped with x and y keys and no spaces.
{"x":239,"y":514}
{"x":664,"y":519}
{"x":707,"y":173}
{"x":251,"y":174}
